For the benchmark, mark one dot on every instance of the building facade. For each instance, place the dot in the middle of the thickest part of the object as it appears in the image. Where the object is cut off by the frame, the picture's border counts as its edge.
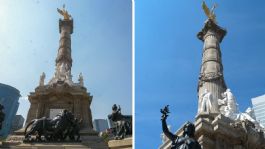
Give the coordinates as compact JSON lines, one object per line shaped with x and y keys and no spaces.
{"x":9,"y":97}
{"x":100,"y":125}
{"x":259,"y":108}
{"x":17,"y":123}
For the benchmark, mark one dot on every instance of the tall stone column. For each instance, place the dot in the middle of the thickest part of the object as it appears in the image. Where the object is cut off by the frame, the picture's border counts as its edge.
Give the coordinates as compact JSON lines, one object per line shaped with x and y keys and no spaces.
{"x":211,"y":74}
{"x":64,"y":59}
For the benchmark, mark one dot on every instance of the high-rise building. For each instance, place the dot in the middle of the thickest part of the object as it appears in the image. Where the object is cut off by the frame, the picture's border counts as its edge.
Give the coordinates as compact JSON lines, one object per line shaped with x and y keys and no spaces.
{"x":100,"y":125}
{"x":259,"y":108}
{"x":17,"y":123}
{"x":9,"y":99}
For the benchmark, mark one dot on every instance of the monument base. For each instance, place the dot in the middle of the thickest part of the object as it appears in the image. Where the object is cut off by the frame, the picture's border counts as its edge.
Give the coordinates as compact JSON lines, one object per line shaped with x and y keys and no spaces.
{"x":121,"y":144}
{"x":221,"y":132}
{"x":90,"y":140}
{"x":215,"y":131}
{"x":53,"y":146}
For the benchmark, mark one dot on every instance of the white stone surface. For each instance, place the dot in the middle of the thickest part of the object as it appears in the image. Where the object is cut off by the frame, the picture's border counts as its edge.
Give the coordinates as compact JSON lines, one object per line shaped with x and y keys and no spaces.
{"x":231,"y":110}
{"x":206,"y":102}
{"x":81,"y":79}
{"x":42,"y":78}
{"x":54,"y":112}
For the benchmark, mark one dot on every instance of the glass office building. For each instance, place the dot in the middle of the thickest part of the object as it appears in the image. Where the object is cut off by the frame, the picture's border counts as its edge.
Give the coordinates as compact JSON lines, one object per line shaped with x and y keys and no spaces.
{"x":100,"y":125}
{"x":259,"y":108}
{"x":9,"y":97}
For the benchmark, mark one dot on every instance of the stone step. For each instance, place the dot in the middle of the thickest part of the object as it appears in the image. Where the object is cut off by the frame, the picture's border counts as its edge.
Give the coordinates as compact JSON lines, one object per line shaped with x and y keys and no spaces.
{"x":120,"y":144}
{"x":88,"y":142}
{"x":54,"y":146}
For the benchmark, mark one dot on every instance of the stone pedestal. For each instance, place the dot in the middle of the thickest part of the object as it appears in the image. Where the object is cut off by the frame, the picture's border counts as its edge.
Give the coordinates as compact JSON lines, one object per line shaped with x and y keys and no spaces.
{"x":90,"y":140}
{"x":61,"y":96}
{"x":72,"y":98}
{"x":120,"y":144}
{"x":90,"y":145}
{"x":215,"y":131}
{"x":220,"y":132}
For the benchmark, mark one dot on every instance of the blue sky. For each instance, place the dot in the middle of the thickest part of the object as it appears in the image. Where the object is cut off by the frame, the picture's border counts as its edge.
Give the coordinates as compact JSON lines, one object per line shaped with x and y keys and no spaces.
{"x":101,"y":48}
{"x":168,"y":57}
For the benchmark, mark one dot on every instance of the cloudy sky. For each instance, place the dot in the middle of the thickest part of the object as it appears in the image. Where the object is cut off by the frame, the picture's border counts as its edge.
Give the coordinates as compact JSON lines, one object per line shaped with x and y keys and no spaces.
{"x":101,"y":48}
{"x":168,"y":57}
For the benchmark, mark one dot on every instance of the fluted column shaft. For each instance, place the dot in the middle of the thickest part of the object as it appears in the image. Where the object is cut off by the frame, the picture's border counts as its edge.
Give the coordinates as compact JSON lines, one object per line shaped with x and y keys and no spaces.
{"x":211,"y":73}
{"x":64,"y":51}
{"x":64,"y":58}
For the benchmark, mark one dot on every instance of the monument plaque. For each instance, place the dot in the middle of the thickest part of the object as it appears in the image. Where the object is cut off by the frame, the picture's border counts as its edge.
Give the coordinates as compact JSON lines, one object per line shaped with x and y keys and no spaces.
{"x":54,"y":112}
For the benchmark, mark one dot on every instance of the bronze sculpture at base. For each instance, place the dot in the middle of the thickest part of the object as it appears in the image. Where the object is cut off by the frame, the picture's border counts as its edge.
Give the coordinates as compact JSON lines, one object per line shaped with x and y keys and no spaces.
{"x":59,"y":128}
{"x":122,"y":124}
{"x":186,"y":141}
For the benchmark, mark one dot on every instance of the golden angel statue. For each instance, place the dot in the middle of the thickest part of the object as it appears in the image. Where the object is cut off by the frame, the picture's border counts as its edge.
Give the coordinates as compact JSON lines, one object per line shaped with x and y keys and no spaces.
{"x":209,"y":13}
{"x":64,"y":13}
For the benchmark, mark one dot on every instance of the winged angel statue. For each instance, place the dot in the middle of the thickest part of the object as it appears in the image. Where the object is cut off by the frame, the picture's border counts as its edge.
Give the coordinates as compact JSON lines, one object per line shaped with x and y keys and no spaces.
{"x":209,"y":13}
{"x":64,"y":13}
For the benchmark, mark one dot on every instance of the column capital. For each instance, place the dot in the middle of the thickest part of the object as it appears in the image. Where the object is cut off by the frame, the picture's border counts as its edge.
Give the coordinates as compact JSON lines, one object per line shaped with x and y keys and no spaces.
{"x":66,"y":23}
{"x":213,"y":27}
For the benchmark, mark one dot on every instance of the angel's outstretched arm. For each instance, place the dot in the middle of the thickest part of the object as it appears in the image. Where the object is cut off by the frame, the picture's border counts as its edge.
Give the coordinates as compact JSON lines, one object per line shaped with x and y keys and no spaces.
{"x":170,"y":135}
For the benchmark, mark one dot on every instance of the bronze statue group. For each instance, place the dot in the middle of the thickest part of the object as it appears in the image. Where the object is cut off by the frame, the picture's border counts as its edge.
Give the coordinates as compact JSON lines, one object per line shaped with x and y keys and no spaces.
{"x":122,"y":124}
{"x":63,"y":127}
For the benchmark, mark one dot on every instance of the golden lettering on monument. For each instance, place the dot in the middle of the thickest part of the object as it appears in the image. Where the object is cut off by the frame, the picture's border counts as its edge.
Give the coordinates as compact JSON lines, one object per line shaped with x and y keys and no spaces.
{"x":64,"y":13}
{"x":209,"y":13}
